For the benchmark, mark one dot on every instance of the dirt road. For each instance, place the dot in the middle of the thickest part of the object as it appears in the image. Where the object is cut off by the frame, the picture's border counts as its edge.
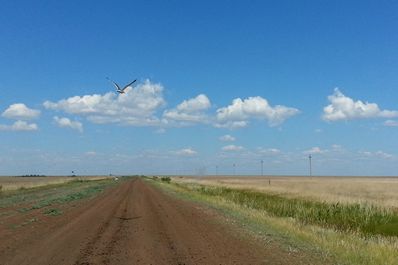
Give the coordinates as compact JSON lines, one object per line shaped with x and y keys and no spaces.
{"x":134,"y":223}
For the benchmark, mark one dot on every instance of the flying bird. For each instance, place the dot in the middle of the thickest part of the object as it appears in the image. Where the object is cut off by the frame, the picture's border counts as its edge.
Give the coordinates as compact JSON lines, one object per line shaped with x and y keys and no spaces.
{"x":118,"y":89}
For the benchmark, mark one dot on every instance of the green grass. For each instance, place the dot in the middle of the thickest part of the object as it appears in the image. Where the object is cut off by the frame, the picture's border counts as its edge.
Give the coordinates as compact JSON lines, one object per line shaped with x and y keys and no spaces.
{"x":53,"y":212}
{"x":48,"y":198}
{"x":44,"y":196}
{"x":348,"y":247}
{"x":61,"y":199}
{"x":388,"y":229}
{"x":365,"y":219}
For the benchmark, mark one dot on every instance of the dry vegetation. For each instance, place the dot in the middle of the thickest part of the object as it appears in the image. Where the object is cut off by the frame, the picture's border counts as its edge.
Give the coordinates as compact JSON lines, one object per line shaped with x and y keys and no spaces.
{"x":352,"y":220}
{"x":381,"y":191}
{"x":14,"y":183}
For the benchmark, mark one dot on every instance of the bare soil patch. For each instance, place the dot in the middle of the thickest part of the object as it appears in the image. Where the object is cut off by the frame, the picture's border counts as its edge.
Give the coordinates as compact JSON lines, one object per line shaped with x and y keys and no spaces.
{"x":134,"y":223}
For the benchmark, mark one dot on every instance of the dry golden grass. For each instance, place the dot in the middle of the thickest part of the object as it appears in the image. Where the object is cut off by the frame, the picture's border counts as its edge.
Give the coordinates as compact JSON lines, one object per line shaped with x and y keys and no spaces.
{"x":342,"y":247}
{"x":380,"y":191}
{"x":14,"y":183}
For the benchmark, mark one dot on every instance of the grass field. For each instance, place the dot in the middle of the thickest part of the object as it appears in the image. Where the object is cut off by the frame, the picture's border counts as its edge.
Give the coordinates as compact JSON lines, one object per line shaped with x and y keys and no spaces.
{"x":381,"y":191}
{"x":14,"y":183}
{"x":21,"y":207}
{"x":350,"y":220}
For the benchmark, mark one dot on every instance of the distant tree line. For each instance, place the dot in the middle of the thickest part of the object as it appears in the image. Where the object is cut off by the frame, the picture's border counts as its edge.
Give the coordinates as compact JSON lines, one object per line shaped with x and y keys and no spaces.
{"x":33,"y":176}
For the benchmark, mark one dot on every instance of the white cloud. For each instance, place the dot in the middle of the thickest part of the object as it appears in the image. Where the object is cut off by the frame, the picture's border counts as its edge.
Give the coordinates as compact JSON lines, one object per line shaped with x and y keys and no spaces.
{"x":272,"y":151}
{"x":232,"y":148}
{"x":314,"y":150}
{"x":140,"y":106}
{"x":384,"y":155}
{"x":190,"y":111}
{"x":199,"y":103}
{"x":337,"y":147}
{"x":345,"y":108}
{"x":227,"y":138}
{"x":90,"y":153}
{"x":378,"y":154}
{"x":231,"y":124}
{"x":253,"y":107}
{"x":136,"y":107}
{"x":186,"y":152}
{"x":67,"y":123}
{"x":19,"y":126}
{"x":391,"y":123}
{"x":20,"y":111}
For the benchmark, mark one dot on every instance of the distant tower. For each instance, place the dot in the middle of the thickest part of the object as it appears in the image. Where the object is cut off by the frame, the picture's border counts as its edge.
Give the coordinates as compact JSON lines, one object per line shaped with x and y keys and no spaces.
{"x":234,"y":168}
{"x":216,"y":170}
{"x":310,"y":159}
{"x":262,"y":167}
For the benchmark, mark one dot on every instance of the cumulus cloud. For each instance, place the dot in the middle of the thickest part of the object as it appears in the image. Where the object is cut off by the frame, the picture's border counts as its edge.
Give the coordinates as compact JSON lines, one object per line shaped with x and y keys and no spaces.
{"x":186,"y":152}
{"x":137,"y":106}
{"x":227,"y":138}
{"x":140,"y":106}
{"x":240,"y":111}
{"x":67,"y":123}
{"x":19,"y":126}
{"x":20,"y":111}
{"x":345,"y":108}
{"x":190,"y":111}
{"x":391,"y":123}
{"x":232,"y":147}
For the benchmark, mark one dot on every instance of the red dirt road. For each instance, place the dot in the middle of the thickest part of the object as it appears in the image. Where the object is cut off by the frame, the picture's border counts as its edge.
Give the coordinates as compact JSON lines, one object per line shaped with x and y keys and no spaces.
{"x":135,"y":223}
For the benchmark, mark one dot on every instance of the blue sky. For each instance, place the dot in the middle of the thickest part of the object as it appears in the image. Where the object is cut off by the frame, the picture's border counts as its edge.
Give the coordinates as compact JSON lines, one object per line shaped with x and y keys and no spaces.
{"x":219,"y":83}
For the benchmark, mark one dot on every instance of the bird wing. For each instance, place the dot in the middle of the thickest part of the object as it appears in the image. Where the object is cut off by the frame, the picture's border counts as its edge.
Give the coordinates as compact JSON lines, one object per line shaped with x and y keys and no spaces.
{"x":114,"y":83}
{"x":126,"y":86}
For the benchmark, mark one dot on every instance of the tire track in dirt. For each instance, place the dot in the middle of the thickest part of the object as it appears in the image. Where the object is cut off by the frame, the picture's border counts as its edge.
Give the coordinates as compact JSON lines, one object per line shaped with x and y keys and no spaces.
{"x":135,"y":223}
{"x":98,"y":250}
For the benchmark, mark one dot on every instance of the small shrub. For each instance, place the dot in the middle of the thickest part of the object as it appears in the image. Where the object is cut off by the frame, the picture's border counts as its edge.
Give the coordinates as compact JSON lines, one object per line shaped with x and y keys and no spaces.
{"x":166,"y":179}
{"x":53,"y":212}
{"x":79,"y":180}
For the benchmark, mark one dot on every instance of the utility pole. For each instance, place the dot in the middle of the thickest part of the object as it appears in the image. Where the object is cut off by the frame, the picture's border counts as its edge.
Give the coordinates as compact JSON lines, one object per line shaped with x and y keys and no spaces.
{"x":234,"y":168}
{"x":216,"y":170}
{"x":310,"y":158}
{"x":262,"y":167}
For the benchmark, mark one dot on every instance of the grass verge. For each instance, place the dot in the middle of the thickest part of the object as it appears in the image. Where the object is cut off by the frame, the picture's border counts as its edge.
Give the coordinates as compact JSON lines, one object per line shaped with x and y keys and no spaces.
{"x":365,"y":219}
{"x":41,"y":197}
{"x":348,"y":242}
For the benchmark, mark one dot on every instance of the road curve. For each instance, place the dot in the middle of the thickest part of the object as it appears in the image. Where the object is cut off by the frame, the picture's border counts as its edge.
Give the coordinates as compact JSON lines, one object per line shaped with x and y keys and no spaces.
{"x":134,"y":223}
